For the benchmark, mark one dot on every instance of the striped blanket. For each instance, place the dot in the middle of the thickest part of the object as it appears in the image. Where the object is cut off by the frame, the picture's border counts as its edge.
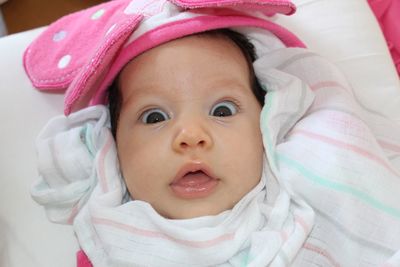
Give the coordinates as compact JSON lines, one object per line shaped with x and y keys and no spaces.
{"x":329,"y":195}
{"x":335,"y":157}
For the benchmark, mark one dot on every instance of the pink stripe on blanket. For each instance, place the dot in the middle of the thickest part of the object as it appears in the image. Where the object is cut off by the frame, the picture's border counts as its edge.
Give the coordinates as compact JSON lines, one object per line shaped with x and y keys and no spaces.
{"x":74,"y":212}
{"x":321,"y":252}
{"x":102,"y":163}
{"x":325,"y":84}
{"x":303,"y":224}
{"x":340,"y":144}
{"x":389,"y":146}
{"x":154,"y":234}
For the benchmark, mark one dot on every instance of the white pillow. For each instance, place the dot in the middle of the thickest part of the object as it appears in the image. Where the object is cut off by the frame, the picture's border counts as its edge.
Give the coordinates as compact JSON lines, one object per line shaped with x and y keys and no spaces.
{"x":347,"y":32}
{"x":343,"y":30}
{"x":27,"y":238}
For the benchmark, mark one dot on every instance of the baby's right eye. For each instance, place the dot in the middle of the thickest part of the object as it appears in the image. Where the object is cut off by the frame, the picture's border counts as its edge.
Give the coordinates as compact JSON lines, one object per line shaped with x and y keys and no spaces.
{"x":154,"y":115}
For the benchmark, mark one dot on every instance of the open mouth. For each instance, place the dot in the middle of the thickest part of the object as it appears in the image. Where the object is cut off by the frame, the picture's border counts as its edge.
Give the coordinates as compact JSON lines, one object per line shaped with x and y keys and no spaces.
{"x":196,"y":183}
{"x":194,"y":178}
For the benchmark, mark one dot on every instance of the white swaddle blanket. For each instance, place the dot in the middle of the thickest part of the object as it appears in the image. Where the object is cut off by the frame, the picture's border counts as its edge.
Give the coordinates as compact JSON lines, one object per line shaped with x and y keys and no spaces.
{"x":329,"y":194}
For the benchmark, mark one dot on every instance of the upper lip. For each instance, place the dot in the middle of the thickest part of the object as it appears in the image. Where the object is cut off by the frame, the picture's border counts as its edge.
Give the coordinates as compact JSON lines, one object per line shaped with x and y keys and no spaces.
{"x":193,"y":167}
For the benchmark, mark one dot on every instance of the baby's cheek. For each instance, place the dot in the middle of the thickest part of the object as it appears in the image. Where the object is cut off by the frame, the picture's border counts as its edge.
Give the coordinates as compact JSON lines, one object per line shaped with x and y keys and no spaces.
{"x":136,"y":183}
{"x":143,"y":173}
{"x":254,"y":159}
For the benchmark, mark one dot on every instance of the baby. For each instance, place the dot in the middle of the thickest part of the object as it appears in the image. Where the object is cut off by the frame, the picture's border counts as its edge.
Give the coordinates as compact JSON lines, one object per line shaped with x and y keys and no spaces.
{"x":181,"y":163}
{"x":187,"y":170}
{"x":186,"y":176}
{"x":185,"y":116}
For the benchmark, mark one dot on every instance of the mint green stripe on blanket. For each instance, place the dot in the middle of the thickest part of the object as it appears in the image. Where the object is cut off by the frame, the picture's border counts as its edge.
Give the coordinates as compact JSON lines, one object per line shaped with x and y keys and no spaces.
{"x":338,"y":186}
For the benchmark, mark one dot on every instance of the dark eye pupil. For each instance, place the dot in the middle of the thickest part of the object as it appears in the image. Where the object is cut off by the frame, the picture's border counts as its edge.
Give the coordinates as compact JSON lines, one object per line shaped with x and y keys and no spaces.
{"x":155,"y":117}
{"x":222,"y":112}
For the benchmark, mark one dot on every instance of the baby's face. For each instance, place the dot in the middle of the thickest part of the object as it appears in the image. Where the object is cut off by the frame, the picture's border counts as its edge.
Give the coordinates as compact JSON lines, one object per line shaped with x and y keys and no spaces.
{"x":188,"y":136}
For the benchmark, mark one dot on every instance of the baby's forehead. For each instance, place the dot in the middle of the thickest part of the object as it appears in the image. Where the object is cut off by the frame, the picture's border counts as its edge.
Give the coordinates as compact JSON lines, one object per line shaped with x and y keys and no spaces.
{"x":217,"y":41}
{"x":193,"y":57}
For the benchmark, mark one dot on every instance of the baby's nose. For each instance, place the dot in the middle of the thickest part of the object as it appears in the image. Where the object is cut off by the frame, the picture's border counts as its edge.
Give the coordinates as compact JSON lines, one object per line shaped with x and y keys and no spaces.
{"x":192,"y":136}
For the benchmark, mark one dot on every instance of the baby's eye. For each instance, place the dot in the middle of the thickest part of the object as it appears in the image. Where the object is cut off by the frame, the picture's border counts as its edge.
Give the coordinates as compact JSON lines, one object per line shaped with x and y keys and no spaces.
{"x":224,"y":109}
{"x":154,"y":115}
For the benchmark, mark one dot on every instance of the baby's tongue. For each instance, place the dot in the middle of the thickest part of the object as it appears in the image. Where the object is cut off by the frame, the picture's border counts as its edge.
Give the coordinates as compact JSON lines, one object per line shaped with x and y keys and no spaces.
{"x":194,"y":178}
{"x":194,"y":185}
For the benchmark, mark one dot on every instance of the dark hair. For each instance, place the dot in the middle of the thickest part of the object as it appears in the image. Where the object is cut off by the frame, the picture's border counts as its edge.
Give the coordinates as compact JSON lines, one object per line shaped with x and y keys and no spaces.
{"x":241,"y":41}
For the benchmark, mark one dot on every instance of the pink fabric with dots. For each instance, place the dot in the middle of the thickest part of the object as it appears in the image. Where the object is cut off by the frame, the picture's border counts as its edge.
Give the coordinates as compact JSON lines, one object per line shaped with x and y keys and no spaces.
{"x":81,"y":37}
{"x":81,"y":52}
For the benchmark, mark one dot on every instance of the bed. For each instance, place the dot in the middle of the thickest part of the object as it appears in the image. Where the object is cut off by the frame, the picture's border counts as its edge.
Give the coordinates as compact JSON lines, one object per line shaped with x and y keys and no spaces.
{"x":344,"y":31}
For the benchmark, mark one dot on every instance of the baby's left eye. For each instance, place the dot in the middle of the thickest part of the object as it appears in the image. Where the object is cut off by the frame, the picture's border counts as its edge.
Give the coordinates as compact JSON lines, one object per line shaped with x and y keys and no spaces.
{"x":224,"y":109}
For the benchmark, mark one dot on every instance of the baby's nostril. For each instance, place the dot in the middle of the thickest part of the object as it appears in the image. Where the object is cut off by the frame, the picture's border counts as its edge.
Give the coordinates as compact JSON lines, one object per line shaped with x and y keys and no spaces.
{"x":184,"y":145}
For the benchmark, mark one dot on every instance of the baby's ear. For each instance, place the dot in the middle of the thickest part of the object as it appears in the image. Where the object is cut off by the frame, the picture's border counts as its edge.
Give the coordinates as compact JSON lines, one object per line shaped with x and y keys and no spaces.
{"x":78,"y":43}
{"x":268,"y":7}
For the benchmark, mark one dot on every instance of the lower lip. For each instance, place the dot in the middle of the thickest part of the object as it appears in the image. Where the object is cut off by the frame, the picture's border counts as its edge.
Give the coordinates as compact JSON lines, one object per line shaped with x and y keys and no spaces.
{"x":194,"y":186}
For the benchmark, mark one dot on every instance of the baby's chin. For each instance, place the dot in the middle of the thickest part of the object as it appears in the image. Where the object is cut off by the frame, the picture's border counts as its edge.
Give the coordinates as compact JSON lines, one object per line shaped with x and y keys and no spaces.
{"x":194,"y":210}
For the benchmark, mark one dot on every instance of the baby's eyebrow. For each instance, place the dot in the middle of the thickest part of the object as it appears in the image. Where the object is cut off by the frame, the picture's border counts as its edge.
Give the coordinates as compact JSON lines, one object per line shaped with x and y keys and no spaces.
{"x":141,"y":92}
{"x":232,"y":84}
{"x":148,"y":89}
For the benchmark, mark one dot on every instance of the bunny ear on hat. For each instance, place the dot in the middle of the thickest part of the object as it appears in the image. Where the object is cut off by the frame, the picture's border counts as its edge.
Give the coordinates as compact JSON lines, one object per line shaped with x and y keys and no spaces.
{"x":77,"y":52}
{"x":75,"y":42}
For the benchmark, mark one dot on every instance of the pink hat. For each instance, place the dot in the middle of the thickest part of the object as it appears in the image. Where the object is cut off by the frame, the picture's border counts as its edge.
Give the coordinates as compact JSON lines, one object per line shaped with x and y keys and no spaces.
{"x":83,"y":52}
